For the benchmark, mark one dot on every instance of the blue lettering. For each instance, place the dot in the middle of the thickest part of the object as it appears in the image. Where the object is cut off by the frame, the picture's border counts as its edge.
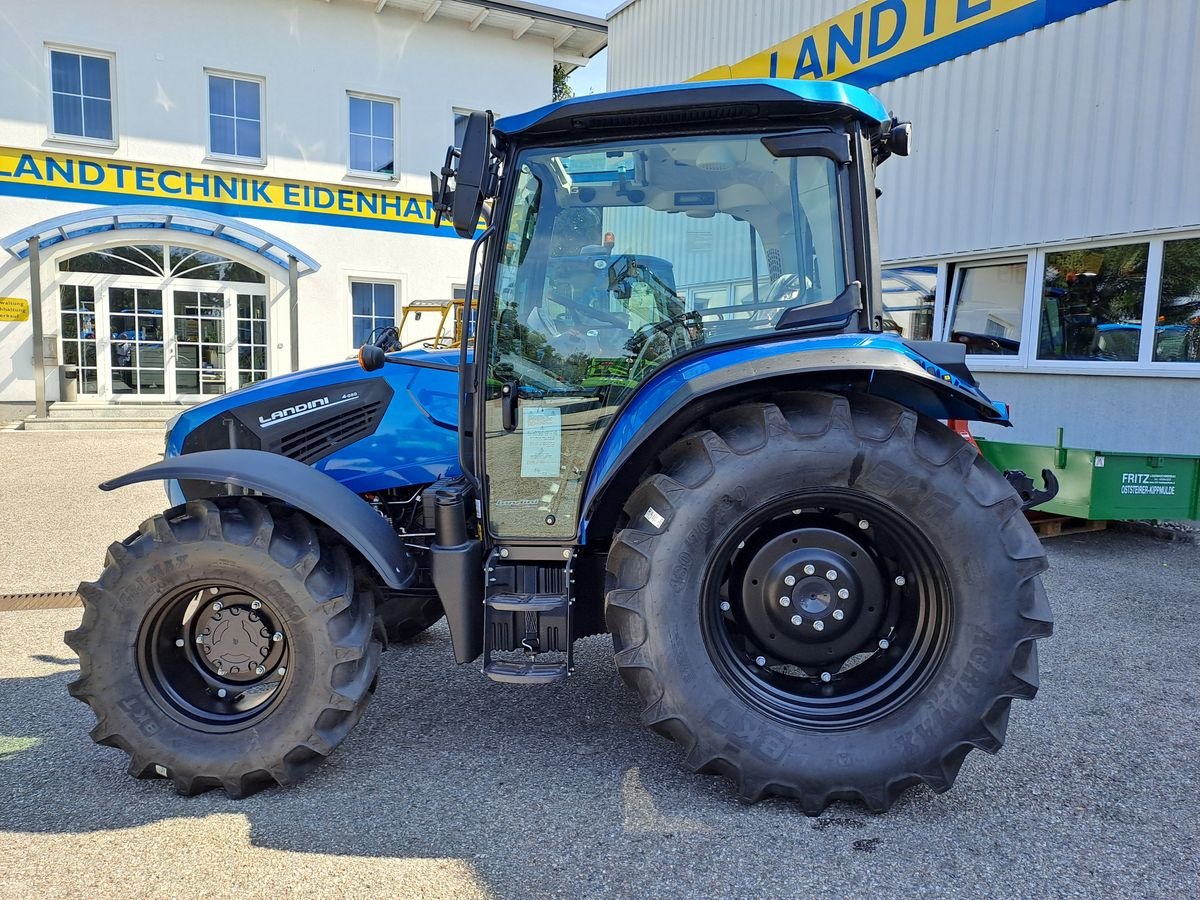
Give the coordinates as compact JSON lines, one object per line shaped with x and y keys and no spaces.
{"x":969,"y":10}
{"x":322,"y":198}
{"x":368,"y":203}
{"x":930,"y":16}
{"x":775,"y":64}
{"x":162,"y":181}
{"x":26,"y":166}
{"x":852,"y":47}
{"x":412,"y":208}
{"x":90,"y":172}
{"x":345,"y":200}
{"x":808,"y":62}
{"x":144,"y":178}
{"x":393,"y":201}
{"x":120,"y":171}
{"x":896,"y":8}
{"x":291,"y":194}
{"x":229,"y":188}
{"x":67,"y":171}
{"x":260,"y":192}
{"x":194,"y":185}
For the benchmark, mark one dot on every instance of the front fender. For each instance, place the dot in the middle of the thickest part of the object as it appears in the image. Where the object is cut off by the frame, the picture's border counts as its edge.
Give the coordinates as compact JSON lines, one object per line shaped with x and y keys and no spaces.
{"x":304,"y":487}
{"x":881,"y":365}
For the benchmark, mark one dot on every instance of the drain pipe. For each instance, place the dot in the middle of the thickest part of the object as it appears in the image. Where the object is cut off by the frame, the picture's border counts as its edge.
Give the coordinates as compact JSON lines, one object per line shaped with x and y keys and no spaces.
{"x":294,"y":311}
{"x":35,"y":313}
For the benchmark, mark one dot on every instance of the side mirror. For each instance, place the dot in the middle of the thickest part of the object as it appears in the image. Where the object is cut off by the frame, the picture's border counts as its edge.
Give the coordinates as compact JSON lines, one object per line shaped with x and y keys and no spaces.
{"x":371,"y":358}
{"x":471,"y":178}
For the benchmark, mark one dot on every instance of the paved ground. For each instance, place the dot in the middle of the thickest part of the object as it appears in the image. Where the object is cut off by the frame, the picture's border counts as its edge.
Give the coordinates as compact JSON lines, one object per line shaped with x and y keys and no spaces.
{"x":54,"y":523}
{"x":14,"y":412}
{"x":454,"y":787}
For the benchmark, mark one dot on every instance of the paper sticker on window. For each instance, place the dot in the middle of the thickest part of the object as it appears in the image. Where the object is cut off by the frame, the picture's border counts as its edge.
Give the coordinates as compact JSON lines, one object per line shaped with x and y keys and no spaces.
{"x":541,"y":442}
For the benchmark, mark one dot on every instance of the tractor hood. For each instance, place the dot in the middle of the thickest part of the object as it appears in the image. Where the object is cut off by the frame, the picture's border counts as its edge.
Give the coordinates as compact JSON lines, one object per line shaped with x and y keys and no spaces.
{"x":368,"y":430}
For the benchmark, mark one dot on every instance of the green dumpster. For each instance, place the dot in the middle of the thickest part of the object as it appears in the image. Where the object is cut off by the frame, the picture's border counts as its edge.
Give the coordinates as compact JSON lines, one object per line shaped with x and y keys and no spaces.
{"x":1094,"y":484}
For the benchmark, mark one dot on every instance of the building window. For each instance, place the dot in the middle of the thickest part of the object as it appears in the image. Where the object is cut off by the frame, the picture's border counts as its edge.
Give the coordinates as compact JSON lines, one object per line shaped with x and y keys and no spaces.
{"x":78,"y":304}
{"x":235,"y":117}
{"x":81,"y":93}
{"x":461,"y":116}
{"x":986,"y":306}
{"x":908,"y":300}
{"x":252,"y":338}
{"x":1177,"y":318}
{"x":373,"y":306}
{"x":1092,"y":303}
{"x":372,"y":136}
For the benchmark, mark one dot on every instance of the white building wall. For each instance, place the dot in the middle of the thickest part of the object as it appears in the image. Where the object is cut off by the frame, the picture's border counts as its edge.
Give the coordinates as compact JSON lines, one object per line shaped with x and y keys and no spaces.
{"x":310,"y":55}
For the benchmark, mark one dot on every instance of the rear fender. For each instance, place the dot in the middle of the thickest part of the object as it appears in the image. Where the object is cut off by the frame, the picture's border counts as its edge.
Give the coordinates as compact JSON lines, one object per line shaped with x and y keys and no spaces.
{"x":309,"y":490}
{"x":681,"y":393}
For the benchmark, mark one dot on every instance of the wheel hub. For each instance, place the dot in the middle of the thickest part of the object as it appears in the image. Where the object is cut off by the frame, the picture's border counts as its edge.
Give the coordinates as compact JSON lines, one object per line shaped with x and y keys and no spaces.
{"x":813,"y":597}
{"x":235,"y":639}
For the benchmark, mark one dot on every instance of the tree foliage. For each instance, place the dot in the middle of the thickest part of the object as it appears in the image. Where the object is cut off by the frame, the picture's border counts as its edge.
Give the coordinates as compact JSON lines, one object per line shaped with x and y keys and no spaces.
{"x":562,"y":87}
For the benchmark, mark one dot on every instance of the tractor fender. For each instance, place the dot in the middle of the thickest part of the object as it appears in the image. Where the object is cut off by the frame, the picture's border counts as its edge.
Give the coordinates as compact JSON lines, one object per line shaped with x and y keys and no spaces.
{"x":877,"y":364}
{"x":309,"y":490}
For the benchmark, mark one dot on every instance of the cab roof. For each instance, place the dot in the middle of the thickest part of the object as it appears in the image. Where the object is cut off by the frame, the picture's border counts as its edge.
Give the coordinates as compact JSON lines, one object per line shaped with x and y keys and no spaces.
{"x":725,"y":102}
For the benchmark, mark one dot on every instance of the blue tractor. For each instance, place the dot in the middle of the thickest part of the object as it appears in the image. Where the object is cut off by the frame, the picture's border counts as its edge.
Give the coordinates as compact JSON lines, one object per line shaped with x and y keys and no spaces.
{"x":674,"y":417}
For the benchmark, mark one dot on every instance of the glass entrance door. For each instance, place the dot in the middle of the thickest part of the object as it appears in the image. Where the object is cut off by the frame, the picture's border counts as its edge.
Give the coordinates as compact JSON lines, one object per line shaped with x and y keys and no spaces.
{"x":200,"y":342}
{"x":137,"y":349}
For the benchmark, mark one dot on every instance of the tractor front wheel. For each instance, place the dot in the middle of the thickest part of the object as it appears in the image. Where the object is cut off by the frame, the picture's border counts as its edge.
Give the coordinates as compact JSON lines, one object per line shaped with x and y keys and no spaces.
{"x":829,"y":597}
{"x":226,"y":644}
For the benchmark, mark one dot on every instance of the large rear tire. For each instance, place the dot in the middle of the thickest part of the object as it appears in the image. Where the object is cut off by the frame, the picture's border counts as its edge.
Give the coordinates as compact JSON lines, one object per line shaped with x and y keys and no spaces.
{"x":827,"y":598}
{"x":225,"y":645}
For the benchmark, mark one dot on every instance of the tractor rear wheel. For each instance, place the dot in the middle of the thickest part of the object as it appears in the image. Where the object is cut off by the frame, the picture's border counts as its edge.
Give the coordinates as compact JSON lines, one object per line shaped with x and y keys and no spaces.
{"x":226,"y":644}
{"x":827,"y":598}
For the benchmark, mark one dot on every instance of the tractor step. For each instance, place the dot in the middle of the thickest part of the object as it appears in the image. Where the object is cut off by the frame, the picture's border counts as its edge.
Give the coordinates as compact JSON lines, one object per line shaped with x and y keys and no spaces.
{"x":527,"y":621}
{"x":511,"y":671}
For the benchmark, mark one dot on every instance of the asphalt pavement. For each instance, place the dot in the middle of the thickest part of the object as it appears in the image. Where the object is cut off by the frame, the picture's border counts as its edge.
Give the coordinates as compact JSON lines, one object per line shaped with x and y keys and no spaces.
{"x":455,"y":787}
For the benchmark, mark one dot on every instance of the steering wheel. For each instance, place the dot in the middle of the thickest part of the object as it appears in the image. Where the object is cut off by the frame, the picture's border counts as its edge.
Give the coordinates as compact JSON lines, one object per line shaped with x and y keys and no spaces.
{"x":786,"y":282}
{"x":581,"y":310}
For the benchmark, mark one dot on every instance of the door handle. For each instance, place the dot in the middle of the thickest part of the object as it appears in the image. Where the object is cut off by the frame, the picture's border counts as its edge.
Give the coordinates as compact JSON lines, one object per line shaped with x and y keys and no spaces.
{"x":508,"y":405}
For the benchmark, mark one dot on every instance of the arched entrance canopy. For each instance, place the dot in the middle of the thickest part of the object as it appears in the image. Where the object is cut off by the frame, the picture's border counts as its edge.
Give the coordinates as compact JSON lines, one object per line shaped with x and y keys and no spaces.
{"x":116,"y":218}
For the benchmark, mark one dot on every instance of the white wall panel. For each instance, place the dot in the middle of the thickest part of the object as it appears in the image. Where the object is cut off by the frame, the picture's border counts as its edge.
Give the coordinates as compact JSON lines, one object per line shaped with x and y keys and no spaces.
{"x":1085,"y":128}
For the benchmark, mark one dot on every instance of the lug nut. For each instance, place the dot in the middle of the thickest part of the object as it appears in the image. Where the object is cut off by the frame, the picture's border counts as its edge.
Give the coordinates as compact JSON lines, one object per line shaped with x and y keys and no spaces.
{"x":826,"y":677}
{"x":901,"y":581}
{"x":504,"y":551}
{"x":810,"y":569}
{"x":212,"y":590}
{"x":218,"y":606}
{"x":256,"y":604}
{"x":760,"y":660}
{"x":864,"y":524}
{"x":259,"y":670}
{"x":839,"y":615}
{"x":796,"y":620}
{"x":221,"y":693}
{"x":843,"y":594}
{"x":818,"y":625}
{"x":277,"y":636}
{"x":789,"y":580}
{"x":831,"y":575}
{"x":281,"y":670}
{"x":785,"y":601}
{"x":178,"y":642}
{"x":884,"y":644}
{"x":199,"y":639}
{"x":724,"y":606}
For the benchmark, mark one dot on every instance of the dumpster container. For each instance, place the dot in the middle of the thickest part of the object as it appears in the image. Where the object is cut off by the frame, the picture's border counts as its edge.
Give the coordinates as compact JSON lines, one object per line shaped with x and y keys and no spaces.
{"x":70,"y":383}
{"x":1094,"y":484}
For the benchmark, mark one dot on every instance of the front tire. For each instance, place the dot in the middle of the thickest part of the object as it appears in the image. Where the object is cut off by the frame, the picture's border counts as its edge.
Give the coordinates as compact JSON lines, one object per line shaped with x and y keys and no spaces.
{"x":225,"y":645}
{"x":828,"y":598}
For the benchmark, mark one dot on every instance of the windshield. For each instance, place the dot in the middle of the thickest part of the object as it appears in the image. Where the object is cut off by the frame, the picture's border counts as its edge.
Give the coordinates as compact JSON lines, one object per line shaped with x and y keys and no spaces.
{"x":617,"y":258}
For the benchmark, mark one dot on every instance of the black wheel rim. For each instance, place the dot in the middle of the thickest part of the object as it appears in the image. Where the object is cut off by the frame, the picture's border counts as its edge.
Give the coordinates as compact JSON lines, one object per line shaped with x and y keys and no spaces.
{"x":214,"y":656}
{"x":826,"y":609}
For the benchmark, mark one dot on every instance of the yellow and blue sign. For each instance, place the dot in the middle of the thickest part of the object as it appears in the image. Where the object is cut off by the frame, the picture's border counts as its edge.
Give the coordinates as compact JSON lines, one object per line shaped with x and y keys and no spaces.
{"x":882,"y":40}
{"x":63,"y":176}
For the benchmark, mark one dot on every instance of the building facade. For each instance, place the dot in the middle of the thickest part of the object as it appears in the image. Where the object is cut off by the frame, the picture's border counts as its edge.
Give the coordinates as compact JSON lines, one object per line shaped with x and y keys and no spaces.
{"x":1048,"y":218}
{"x":194,"y":196}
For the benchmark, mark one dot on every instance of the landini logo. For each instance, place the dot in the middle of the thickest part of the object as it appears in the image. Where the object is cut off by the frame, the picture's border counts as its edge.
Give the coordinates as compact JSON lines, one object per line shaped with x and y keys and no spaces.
{"x":303,"y":409}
